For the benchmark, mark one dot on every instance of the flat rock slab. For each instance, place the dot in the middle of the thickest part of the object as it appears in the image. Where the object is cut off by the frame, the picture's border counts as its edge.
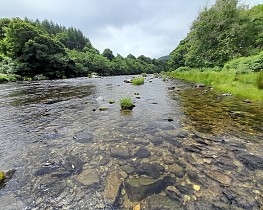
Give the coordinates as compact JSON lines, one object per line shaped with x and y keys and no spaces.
{"x":152,"y":170}
{"x":113,"y":188}
{"x":139,"y":188}
{"x":119,"y":152}
{"x":89,"y":177}
{"x":83,"y":137}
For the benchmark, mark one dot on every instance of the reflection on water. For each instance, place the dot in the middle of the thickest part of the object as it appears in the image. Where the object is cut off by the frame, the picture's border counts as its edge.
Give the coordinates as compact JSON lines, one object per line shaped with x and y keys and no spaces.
{"x":178,"y":148}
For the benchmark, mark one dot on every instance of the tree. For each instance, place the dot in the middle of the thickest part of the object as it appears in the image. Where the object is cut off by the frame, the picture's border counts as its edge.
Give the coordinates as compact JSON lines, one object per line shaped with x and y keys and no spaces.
{"x":107,"y":53}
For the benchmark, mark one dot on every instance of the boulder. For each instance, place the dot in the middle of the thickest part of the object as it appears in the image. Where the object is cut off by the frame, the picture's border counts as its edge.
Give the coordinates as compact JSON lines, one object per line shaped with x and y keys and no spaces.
{"x":151,"y":170}
{"x":139,"y":188}
{"x":113,"y":188}
{"x":142,"y":152}
{"x":119,"y":152}
{"x":89,"y":177}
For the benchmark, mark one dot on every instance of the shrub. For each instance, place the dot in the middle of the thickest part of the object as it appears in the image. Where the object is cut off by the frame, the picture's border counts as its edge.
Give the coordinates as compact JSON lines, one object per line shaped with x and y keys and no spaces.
{"x":260,"y":80}
{"x":126,"y":104}
{"x":138,"y":81}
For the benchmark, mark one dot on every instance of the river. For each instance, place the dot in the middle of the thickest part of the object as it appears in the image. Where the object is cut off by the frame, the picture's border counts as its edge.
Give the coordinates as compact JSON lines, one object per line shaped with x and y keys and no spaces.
{"x":181,"y":147}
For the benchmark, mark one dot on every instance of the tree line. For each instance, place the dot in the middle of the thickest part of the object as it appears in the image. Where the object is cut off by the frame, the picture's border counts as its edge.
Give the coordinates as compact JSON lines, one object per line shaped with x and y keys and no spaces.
{"x":225,"y":31}
{"x":45,"y":50}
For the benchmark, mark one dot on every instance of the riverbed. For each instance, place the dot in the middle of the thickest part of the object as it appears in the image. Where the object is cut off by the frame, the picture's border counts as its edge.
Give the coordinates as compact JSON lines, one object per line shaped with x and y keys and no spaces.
{"x":181,"y":147}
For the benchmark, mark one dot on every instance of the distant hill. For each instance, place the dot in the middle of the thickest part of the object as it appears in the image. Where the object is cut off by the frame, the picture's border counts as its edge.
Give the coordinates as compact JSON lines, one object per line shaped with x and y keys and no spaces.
{"x":164,"y":58}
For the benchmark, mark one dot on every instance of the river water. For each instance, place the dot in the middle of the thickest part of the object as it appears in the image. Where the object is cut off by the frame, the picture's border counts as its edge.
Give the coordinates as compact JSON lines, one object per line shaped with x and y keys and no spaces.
{"x":180,"y":147}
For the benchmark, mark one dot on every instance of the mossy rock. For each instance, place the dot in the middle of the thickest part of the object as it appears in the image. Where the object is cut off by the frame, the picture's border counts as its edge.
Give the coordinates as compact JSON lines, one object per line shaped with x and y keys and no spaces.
{"x":2,"y":176}
{"x":103,"y":109}
{"x":111,"y":101}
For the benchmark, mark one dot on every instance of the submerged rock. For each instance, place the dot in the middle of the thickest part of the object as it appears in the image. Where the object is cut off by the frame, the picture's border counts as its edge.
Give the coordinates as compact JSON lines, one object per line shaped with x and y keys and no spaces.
{"x":129,"y":169}
{"x":142,"y":152}
{"x":119,"y":152}
{"x":73,"y":164}
{"x":113,"y":188}
{"x":89,"y":177}
{"x":139,"y":188}
{"x":252,"y":162}
{"x":152,"y":170}
{"x":83,"y":137}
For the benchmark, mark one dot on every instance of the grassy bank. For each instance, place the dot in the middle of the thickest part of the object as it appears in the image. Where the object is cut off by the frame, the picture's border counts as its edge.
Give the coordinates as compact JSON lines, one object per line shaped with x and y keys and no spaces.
{"x":8,"y":78}
{"x":242,"y":85}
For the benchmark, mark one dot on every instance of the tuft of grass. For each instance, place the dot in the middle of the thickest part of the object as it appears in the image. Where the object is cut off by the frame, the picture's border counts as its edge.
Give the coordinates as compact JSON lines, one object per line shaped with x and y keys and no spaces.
{"x":260,"y":80}
{"x":126,"y":104}
{"x":2,"y":176}
{"x":138,"y":81}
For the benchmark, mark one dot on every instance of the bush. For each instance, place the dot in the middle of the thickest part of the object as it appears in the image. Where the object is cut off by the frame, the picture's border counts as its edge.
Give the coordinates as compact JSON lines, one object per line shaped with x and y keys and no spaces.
{"x":126,"y":104}
{"x":138,"y":81}
{"x":260,"y":80}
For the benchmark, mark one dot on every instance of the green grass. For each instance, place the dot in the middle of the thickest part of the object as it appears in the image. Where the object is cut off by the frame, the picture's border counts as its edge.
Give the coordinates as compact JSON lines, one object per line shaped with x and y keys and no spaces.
{"x":245,"y":86}
{"x":138,"y":81}
{"x":126,"y":104}
{"x":8,"y":77}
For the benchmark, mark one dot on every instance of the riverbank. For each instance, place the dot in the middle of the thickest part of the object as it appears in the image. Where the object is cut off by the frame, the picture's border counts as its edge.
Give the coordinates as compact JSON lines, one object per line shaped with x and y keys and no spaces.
{"x":244,"y":86}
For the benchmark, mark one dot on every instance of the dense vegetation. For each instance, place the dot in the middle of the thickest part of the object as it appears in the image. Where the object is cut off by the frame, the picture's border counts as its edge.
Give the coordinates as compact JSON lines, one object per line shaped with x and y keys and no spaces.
{"x":45,"y":50}
{"x":224,"y":48}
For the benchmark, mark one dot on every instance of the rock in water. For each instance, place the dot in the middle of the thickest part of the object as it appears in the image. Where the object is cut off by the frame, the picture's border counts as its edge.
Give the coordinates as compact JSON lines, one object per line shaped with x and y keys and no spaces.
{"x":113,"y":187}
{"x":142,"y":152}
{"x":139,"y":188}
{"x":252,"y":162}
{"x":83,"y":137}
{"x":119,"y":152}
{"x":73,"y":164}
{"x":89,"y":177}
{"x":152,"y":170}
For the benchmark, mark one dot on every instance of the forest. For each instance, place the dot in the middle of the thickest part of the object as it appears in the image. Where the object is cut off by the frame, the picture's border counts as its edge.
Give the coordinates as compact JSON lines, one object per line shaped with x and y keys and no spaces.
{"x":45,"y":50}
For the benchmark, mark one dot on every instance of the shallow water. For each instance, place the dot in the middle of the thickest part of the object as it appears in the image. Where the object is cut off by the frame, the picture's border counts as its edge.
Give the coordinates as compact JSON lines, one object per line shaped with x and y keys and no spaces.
{"x":52,"y":132}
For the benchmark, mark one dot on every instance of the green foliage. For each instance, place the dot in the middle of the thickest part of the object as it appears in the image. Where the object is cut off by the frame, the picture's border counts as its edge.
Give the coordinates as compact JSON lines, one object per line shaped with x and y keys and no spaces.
{"x":138,"y":81}
{"x":126,"y":104}
{"x":252,"y":63}
{"x":43,"y":49}
{"x":260,"y":80}
{"x":219,"y":34}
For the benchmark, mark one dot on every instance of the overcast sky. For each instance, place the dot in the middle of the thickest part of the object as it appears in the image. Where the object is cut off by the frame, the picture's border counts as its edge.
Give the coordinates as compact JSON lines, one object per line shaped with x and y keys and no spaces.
{"x":140,"y":27}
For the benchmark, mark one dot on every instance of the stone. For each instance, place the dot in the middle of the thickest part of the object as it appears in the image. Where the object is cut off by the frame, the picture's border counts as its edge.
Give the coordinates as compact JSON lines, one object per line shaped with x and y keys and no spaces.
{"x":46,"y":170}
{"x":139,"y":188}
{"x":173,"y":193}
{"x":83,"y":137}
{"x":168,"y":160}
{"x":186,"y":189}
{"x":157,"y":142}
{"x":73,"y":164}
{"x":252,"y":162}
{"x":221,"y":178}
{"x":152,"y":170}
{"x":199,"y":85}
{"x":142,"y":152}
{"x":119,"y":152}
{"x":129,"y":169}
{"x":113,"y":188}
{"x":141,"y":141}
{"x":176,"y":170}
{"x":89,"y":177}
